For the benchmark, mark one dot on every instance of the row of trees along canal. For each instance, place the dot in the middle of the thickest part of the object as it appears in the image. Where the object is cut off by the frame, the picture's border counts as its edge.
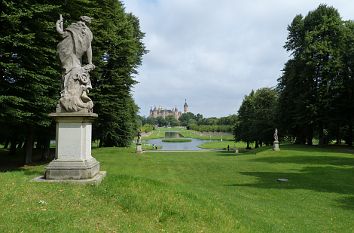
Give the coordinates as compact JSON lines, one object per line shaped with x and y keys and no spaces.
{"x":30,"y":74}
{"x":314,"y":98}
{"x":191,"y":121}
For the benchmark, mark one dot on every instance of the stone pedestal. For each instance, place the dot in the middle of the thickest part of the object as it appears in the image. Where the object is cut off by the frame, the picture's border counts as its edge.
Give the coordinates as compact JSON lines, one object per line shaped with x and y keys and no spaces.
{"x":276,"y":146}
{"x":139,"y":148}
{"x":73,"y":160}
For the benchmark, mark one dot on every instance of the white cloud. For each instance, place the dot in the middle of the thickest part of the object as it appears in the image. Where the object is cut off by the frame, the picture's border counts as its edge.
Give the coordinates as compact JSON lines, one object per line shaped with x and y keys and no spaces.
{"x":213,"y":52}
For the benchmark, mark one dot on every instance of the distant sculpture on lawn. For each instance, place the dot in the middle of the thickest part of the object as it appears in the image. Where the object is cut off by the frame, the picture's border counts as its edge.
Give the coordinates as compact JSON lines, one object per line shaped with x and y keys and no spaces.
{"x":138,"y":141}
{"x":76,"y":81}
{"x":276,"y":135}
{"x":276,"y":141}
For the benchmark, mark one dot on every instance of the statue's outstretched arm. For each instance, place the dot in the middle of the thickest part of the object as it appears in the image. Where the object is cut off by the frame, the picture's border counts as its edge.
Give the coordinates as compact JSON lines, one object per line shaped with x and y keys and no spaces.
{"x":59,"y":25}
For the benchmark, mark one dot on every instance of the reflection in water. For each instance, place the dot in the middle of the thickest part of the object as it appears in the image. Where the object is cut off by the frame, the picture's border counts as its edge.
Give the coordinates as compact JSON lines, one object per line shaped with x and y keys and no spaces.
{"x":172,"y":134}
{"x":193,"y":145}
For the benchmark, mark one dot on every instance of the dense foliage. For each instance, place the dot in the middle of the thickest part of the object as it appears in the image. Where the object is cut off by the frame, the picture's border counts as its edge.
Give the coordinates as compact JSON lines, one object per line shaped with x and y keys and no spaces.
{"x":316,"y":88}
{"x":194,"y":121}
{"x":30,"y":72}
{"x":211,"y":128}
{"x":257,"y":117}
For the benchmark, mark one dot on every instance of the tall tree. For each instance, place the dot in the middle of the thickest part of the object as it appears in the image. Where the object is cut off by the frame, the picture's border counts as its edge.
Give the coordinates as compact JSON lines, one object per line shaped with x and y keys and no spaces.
{"x":343,"y":99}
{"x":243,"y":128}
{"x":119,"y":49}
{"x":29,"y":81}
{"x":30,"y":73}
{"x":257,"y":117}
{"x":312,"y":75}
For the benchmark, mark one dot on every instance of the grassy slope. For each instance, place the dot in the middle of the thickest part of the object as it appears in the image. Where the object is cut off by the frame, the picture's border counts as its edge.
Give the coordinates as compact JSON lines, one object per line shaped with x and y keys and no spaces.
{"x":160,"y":133}
{"x":223,"y":145}
{"x":190,"y":192}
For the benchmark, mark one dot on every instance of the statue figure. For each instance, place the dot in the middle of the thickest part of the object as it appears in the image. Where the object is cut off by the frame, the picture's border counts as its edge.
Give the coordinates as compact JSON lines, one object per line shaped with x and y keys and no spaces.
{"x":75,"y":78}
{"x":276,"y":135}
{"x":138,"y":141}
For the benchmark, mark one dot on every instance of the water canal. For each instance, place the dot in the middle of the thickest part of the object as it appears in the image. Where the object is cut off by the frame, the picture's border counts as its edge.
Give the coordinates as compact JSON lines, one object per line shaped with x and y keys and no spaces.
{"x":192,"y":145}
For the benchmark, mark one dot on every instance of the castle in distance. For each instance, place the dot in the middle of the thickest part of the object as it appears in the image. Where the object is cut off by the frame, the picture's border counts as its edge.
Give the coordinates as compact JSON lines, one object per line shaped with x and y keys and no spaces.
{"x":161,"y":112}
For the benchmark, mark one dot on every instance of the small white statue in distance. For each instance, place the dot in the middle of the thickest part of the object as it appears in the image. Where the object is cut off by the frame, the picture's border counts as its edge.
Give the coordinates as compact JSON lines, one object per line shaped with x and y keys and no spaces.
{"x":276,"y":135}
{"x":76,"y":82}
{"x":139,"y":148}
{"x":276,"y":141}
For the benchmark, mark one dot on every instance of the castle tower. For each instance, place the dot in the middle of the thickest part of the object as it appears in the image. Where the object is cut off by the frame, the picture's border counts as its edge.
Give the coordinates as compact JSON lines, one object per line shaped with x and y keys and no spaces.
{"x":185,"y":106}
{"x":175,"y":113}
{"x":154,"y":112}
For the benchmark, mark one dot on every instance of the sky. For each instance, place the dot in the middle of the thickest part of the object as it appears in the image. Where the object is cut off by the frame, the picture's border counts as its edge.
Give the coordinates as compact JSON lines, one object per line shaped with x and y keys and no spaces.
{"x":213,"y":53}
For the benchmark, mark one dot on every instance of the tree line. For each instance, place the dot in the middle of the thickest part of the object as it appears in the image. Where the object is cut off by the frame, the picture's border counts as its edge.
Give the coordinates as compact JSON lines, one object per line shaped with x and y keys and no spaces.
{"x":314,"y":97}
{"x":191,"y":121}
{"x":30,"y":71}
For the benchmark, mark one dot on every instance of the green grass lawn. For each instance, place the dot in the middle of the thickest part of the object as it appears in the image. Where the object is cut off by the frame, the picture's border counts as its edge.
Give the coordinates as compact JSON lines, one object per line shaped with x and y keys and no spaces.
{"x":223,"y":145}
{"x":147,"y":146}
{"x":206,"y":136}
{"x":189,"y":192}
{"x":160,"y":133}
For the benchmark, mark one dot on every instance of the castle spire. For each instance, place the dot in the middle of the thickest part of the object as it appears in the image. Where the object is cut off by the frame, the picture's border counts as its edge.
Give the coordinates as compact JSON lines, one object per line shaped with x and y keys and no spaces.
{"x":185,"y":107}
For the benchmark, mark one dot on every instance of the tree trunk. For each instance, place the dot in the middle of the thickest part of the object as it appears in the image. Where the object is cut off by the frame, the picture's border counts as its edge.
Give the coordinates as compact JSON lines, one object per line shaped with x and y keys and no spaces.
{"x":248,"y":145}
{"x":338,"y":139}
{"x":256,"y":144}
{"x":309,"y":136}
{"x":21,"y":145}
{"x":300,"y":137}
{"x":350,"y":135}
{"x":320,"y":134}
{"x":46,"y":149}
{"x":13,"y":142}
{"x":29,"y":145}
{"x":7,"y":142}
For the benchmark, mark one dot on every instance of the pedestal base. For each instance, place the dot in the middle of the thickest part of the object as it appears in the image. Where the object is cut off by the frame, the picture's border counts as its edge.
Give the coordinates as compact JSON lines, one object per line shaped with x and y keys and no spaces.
{"x":139,"y":149}
{"x":72,"y":170}
{"x":94,"y":180}
{"x":73,"y":148}
{"x":276,"y":146}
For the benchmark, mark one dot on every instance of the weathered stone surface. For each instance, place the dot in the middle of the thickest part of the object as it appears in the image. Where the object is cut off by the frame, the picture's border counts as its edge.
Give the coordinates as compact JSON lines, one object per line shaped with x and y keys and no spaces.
{"x":139,"y":148}
{"x":74,"y":117}
{"x":276,"y":141}
{"x":76,"y":83}
{"x":72,"y":170}
{"x":73,"y":135}
{"x":276,"y":135}
{"x":73,"y":148}
{"x":276,"y":146}
{"x":93,"y":181}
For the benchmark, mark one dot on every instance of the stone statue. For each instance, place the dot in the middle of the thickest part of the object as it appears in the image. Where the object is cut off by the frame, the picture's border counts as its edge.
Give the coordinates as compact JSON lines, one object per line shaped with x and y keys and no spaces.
{"x":75,"y":78}
{"x":276,"y":135}
{"x":139,"y":148}
{"x":138,"y":141}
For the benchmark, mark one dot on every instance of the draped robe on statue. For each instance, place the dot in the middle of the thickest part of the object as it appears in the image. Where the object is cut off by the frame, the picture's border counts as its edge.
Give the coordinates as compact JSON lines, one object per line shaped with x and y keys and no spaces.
{"x":76,"y":82}
{"x":77,"y":40}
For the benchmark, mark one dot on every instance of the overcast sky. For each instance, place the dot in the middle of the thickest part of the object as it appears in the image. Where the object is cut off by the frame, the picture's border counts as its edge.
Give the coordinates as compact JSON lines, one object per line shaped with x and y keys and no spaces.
{"x":213,"y":53}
